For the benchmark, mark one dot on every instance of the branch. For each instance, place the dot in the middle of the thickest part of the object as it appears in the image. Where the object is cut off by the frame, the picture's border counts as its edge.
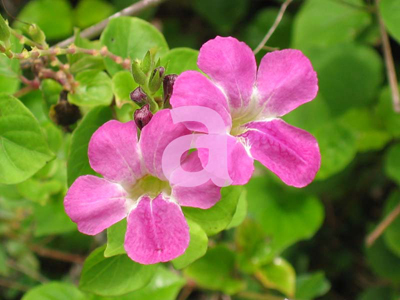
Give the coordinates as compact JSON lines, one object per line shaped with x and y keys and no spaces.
{"x":387,"y":52}
{"x":274,"y":26}
{"x":374,"y":235}
{"x":96,"y":29}
{"x":14,"y":285}
{"x":57,"y":255}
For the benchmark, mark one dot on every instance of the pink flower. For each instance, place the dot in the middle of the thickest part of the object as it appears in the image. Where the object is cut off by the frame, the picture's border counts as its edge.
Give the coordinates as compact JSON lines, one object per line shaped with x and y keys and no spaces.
{"x":134,"y":187}
{"x":251,"y":103}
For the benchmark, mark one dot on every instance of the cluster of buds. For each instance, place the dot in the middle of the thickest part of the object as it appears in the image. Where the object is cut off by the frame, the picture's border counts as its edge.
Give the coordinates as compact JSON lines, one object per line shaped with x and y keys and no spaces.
{"x":150,"y":75}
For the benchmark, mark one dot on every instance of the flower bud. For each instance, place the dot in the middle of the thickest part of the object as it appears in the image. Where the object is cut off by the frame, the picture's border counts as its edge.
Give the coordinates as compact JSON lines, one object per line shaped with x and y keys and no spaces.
{"x":142,"y":116}
{"x":156,"y":79}
{"x":138,"y":96}
{"x":138,"y":74}
{"x":168,"y":85}
{"x":37,"y":34}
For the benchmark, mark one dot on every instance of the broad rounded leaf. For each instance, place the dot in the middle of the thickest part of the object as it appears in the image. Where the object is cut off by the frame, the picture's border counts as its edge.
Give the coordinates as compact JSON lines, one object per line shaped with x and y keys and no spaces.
{"x":113,"y":276}
{"x":23,"y":147}
{"x":89,"y":12}
{"x":78,"y":161}
{"x":278,"y":275}
{"x":197,"y":246}
{"x":94,"y":89}
{"x":10,"y":69}
{"x":131,"y":38}
{"x":390,"y":11}
{"x":46,"y":13}
{"x":218,"y":217}
{"x":327,"y":23}
{"x":310,"y":286}
{"x":122,"y":85}
{"x":180,"y":59}
{"x":384,"y":109}
{"x":55,"y":291}
{"x":392,"y":163}
{"x":116,"y":239}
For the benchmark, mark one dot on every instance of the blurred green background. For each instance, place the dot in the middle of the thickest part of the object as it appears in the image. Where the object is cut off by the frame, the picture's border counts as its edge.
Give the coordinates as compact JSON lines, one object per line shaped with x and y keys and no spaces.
{"x":320,"y":230}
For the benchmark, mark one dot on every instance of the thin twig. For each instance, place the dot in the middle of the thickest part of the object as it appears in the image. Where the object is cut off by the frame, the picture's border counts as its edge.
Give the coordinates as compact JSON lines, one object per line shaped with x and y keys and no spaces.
{"x":374,"y":235}
{"x":96,"y":29}
{"x":57,"y":255}
{"x":274,"y":26}
{"x":14,"y":285}
{"x":387,"y":52}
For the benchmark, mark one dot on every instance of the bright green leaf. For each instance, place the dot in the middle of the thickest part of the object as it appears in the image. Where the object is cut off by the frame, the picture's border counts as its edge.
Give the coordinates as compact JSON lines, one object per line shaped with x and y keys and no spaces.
{"x":328,"y":23}
{"x":116,"y":239}
{"x":390,"y":11}
{"x":23,"y":148}
{"x":94,"y":89}
{"x":180,"y":59}
{"x":54,"y":291}
{"x":114,"y":276}
{"x":197,"y":247}
{"x":10,"y":69}
{"x":241,"y":211}
{"x":214,"y":271}
{"x":131,"y":38}
{"x":39,"y":191}
{"x":122,"y":85}
{"x":78,"y":161}
{"x":47,"y":13}
{"x":90,"y":12}
{"x":218,"y":217}
{"x":278,"y":275}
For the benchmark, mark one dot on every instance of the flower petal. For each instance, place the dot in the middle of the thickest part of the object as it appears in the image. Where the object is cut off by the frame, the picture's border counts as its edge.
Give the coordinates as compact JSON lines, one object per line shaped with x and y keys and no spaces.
{"x":203,"y":196}
{"x":289,"y":152}
{"x":192,"y":88}
{"x":114,"y":152}
{"x":240,"y":163}
{"x":95,"y":204}
{"x":285,"y":80}
{"x":155,"y":137}
{"x":232,"y":66}
{"x":157,"y":231}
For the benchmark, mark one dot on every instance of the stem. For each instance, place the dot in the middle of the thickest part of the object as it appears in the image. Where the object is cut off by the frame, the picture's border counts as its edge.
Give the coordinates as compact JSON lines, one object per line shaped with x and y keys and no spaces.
{"x":387,"y":52}
{"x":57,"y":255}
{"x":14,"y":285}
{"x":374,"y":235}
{"x":274,"y":26}
{"x":256,"y":296}
{"x":96,"y":29}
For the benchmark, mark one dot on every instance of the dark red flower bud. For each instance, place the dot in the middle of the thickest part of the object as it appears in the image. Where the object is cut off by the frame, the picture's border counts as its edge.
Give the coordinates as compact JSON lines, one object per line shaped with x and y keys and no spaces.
{"x":161,"y":71}
{"x":138,"y":95}
{"x":168,"y":85}
{"x":142,"y":116}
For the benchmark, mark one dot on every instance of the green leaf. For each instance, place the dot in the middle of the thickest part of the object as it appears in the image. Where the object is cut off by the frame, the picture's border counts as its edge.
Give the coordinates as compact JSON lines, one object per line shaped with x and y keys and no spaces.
{"x":131,"y":38}
{"x":383,"y":262}
{"x":197,"y":247}
{"x":122,"y":85}
{"x":113,"y":276}
{"x":10,"y":69}
{"x":46,"y":13}
{"x":254,"y":248}
{"x":39,"y":191}
{"x":223,"y":15}
{"x":278,"y":275}
{"x":392,"y":163}
{"x":285,"y":215}
{"x":338,"y":146}
{"x":51,"y":219}
{"x":51,"y":90}
{"x":78,"y":162}
{"x":23,"y":147}
{"x":348,"y":75}
{"x":165,"y":285}
{"x":218,"y":217}
{"x":90,"y":12}
{"x":180,"y":59}
{"x":54,"y":291}
{"x":384,"y":109}
{"x":241,"y":211}
{"x":116,"y":239}
{"x":88,"y":63}
{"x":390,"y":11}
{"x":94,"y":89}
{"x":214,"y":271}
{"x":328,"y":23}
{"x":369,"y":132}
{"x":310,"y":286}
{"x":391,"y":235}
